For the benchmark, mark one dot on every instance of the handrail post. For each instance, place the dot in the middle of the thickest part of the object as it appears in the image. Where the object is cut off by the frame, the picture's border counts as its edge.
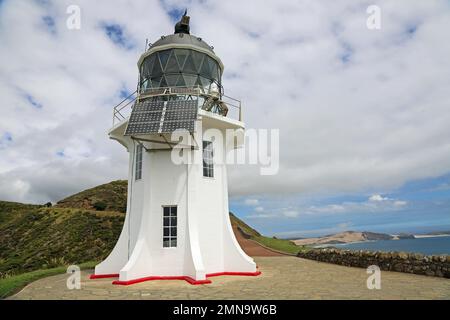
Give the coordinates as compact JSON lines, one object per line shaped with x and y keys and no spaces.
{"x":240,"y":111}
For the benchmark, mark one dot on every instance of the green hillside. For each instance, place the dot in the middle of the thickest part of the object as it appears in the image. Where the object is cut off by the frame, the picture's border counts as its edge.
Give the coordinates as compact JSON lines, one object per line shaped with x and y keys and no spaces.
{"x":235,"y":221}
{"x":35,"y":237}
{"x":110,"y":197}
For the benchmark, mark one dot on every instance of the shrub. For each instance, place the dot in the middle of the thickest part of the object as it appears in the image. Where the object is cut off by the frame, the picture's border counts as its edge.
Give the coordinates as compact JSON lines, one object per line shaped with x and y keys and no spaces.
{"x":100,"y":206}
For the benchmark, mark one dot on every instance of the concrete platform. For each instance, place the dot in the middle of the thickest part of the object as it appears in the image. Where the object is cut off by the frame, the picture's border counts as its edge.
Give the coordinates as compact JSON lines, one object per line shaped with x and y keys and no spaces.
{"x":283,"y":277}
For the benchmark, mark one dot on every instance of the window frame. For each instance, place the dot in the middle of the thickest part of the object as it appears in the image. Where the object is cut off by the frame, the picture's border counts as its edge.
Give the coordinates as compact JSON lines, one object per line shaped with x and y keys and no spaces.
{"x":138,"y":162}
{"x":171,"y":217}
{"x":209,"y":155}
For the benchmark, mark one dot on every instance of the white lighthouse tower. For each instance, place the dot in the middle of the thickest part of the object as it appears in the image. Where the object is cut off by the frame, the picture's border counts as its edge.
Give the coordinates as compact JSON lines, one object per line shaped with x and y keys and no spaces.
{"x":177,"y":224}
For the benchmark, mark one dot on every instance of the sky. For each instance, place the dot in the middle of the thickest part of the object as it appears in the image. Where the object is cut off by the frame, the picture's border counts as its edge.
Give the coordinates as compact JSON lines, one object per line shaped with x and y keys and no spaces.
{"x":363,"y":115}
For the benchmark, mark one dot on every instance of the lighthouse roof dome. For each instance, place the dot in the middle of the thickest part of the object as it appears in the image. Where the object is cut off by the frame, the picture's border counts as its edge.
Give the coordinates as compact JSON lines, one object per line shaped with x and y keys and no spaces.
{"x":181,"y":39}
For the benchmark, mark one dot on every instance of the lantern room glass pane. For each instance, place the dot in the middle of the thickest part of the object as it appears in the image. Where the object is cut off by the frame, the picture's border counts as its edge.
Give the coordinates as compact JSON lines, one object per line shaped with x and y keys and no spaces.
{"x":181,"y":56}
{"x":146,"y":84}
{"x":205,"y":70}
{"x":163,"y":57}
{"x":172,"y":64}
{"x":180,"y":82}
{"x":156,"y":82}
{"x":157,"y":70}
{"x":205,"y":82}
{"x":163,"y":83}
{"x":197,"y":57}
{"x":172,"y":80}
{"x":189,"y":66}
{"x":214,"y":71}
{"x":190,"y":80}
{"x":148,"y":66}
{"x":198,"y":82}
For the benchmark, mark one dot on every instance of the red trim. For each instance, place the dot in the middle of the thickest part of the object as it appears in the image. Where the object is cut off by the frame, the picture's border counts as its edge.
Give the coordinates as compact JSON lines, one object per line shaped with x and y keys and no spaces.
{"x":102,"y":276}
{"x":186,"y":278}
{"x":251,"y":274}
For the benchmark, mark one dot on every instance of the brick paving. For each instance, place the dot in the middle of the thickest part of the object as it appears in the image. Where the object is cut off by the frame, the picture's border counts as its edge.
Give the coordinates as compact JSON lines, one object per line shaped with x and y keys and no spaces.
{"x":282,"y":277}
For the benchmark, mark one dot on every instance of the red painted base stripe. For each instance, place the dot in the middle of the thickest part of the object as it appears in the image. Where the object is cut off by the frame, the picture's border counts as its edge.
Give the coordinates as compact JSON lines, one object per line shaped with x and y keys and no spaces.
{"x":102,"y":276}
{"x":185,"y":278}
{"x":248,"y":274}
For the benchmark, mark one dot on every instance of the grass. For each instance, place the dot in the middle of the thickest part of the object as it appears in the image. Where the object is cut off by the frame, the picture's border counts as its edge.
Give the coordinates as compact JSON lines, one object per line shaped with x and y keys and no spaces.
{"x":13,"y":284}
{"x":45,"y":238}
{"x":244,"y":227}
{"x":110,"y":197}
{"x":282,"y":245}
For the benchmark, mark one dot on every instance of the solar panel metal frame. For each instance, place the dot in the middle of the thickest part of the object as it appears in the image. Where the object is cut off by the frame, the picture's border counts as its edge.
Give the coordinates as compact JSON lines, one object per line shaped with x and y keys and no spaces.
{"x":148,"y":117}
{"x":180,"y":114}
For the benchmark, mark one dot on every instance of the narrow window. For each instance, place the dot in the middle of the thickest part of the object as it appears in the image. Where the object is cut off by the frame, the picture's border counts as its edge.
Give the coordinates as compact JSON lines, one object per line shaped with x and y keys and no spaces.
{"x":170,"y":227}
{"x":138,"y":169}
{"x":208,"y":162}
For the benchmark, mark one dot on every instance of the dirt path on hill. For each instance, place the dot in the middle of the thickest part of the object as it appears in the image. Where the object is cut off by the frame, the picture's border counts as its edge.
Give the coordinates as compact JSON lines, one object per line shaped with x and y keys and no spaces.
{"x":252,"y":248}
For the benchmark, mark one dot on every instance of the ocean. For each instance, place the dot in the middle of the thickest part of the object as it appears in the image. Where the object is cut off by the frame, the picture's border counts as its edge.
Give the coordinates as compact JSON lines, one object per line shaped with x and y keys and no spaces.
{"x":428,"y":246}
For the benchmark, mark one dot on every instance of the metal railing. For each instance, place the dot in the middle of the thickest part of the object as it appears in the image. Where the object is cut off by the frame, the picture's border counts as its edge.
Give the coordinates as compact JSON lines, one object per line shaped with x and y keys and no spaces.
{"x":123,"y":109}
{"x":120,"y":112}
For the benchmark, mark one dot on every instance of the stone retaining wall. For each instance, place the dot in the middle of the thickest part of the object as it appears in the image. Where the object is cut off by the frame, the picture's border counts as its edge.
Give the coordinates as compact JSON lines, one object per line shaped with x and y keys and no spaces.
{"x":438,"y":266}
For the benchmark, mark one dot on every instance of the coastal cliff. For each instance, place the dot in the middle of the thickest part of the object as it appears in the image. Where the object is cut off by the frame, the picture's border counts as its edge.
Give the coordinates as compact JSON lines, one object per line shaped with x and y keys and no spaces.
{"x":344,"y":237}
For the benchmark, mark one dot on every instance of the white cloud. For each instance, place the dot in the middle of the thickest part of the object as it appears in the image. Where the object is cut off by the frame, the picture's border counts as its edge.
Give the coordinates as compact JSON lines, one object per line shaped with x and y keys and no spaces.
{"x":377,"y":197}
{"x":372,"y":123}
{"x":374,"y":204}
{"x":259,"y":209}
{"x":290,"y":213}
{"x":400,"y":203}
{"x":251,"y":202}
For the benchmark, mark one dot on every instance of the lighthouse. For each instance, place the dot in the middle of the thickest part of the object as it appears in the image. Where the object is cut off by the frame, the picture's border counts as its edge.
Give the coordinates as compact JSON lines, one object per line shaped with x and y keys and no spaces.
{"x":177,"y":224}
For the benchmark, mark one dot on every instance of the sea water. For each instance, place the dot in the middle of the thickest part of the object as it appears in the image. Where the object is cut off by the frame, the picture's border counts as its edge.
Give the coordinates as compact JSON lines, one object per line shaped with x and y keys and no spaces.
{"x":432,"y":245}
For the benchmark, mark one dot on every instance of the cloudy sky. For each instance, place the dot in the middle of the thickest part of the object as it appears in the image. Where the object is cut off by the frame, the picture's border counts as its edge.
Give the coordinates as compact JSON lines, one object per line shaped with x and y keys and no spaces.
{"x":364,"y":115}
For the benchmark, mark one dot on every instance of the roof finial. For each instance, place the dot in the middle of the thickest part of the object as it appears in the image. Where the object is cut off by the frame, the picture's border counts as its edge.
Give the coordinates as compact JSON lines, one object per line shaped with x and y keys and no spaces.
{"x":182,"y":26}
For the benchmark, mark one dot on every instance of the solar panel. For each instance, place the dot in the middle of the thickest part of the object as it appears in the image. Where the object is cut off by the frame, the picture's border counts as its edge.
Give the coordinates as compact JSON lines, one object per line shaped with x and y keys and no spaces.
{"x":146,"y":116}
{"x":171,"y":126}
{"x":180,"y":115}
{"x":149,"y":117}
{"x":142,"y":128}
{"x":175,"y":105}
{"x":148,"y":106}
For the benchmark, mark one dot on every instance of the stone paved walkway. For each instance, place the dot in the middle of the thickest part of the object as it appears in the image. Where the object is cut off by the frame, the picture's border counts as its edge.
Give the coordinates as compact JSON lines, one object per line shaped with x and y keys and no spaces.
{"x":282,"y":278}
